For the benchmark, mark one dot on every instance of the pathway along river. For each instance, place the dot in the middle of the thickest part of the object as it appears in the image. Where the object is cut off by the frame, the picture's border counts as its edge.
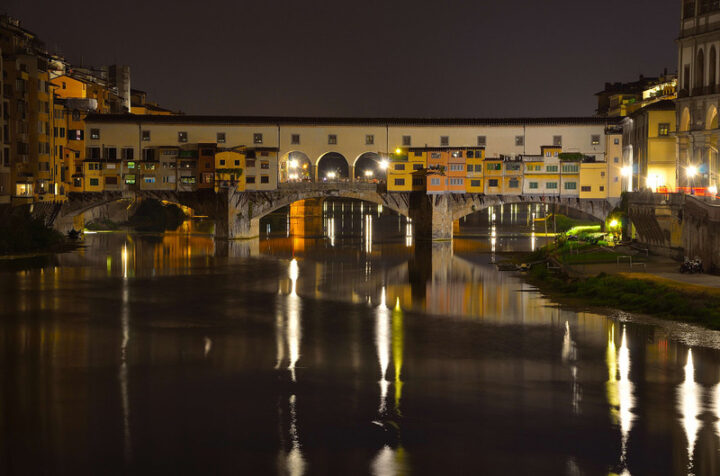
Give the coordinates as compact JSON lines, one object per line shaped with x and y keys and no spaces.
{"x":357,"y":353}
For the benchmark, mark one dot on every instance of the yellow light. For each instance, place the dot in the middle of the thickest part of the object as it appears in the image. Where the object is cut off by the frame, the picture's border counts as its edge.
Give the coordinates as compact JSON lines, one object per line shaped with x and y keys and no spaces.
{"x":331,"y":175}
{"x":613,"y":224}
{"x":398,"y":151}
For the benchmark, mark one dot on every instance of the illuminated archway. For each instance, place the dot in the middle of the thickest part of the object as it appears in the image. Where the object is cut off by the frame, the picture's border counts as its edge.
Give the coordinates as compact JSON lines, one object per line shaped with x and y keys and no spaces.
{"x":296,"y":166}
{"x":711,"y":117}
{"x":685,"y":120}
{"x":367,"y":166}
{"x":332,"y":166}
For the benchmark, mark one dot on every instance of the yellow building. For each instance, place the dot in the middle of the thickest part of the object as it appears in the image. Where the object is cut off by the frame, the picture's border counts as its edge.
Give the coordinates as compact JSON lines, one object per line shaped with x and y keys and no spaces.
{"x":474,"y":166}
{"x":229,"y":167}
{"x":593,"y":180}
{"x":493,"y":176}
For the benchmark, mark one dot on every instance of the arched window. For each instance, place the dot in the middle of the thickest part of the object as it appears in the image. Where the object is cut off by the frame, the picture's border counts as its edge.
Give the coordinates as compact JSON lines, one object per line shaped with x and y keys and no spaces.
{"x":712,"y":64}
{"x":700,"y":69}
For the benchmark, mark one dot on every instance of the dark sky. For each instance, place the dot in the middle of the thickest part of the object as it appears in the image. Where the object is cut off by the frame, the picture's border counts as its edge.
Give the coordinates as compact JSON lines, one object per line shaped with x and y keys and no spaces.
{"x":425,"y":58}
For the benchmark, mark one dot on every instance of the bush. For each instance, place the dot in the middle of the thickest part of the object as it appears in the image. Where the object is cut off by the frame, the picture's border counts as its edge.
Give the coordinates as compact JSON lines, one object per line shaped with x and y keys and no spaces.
{"x":24,"y":233}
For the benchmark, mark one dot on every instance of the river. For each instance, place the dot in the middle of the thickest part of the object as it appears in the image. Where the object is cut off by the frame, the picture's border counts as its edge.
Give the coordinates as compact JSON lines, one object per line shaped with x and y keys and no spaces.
{"x":355,"y":352}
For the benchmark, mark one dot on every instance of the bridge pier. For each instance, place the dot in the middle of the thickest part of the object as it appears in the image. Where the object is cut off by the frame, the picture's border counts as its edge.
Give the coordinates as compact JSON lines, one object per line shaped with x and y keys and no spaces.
{"x":234,"y":219}
{"x":431,"y":216}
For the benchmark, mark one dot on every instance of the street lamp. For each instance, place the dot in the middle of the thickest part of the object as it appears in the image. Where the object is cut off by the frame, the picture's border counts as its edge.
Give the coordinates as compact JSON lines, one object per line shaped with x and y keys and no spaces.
{"x":368,"y":174}
{"x":330,"y":175}
{"x":384,"y":164}
{"x":691,"y":171}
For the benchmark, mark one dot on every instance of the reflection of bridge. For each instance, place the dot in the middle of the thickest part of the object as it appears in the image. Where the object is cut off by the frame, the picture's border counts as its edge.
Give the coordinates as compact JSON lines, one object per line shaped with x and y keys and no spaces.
{"x":237,"y":214}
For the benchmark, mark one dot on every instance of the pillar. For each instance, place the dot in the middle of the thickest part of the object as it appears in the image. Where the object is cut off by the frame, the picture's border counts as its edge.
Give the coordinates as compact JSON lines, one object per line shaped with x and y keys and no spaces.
{"x":431,"y":216}
{"x":234,"y":216}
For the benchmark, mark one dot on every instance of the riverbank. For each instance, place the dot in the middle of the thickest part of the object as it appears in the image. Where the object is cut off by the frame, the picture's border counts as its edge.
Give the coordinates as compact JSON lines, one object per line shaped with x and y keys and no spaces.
{"x":619,"y":287}
{"x":24,"y":234}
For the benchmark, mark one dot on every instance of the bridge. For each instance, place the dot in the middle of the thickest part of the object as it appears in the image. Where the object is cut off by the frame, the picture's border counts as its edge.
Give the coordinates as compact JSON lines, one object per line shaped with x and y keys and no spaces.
{"x":237,"y":214}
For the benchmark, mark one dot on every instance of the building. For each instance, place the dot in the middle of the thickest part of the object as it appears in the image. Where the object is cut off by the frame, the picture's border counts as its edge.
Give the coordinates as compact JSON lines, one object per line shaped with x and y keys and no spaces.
{"x":650,"y":147}
{"x":622,"y":99}
{"x":699,"y":94}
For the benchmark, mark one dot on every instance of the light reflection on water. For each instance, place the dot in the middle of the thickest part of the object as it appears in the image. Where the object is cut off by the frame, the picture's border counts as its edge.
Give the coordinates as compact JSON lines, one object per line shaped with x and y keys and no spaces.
{"x":446,"y":352}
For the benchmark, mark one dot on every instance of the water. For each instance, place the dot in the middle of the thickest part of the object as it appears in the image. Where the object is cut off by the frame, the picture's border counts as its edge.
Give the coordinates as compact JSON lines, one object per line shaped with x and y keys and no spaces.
{"x":358,"y":353}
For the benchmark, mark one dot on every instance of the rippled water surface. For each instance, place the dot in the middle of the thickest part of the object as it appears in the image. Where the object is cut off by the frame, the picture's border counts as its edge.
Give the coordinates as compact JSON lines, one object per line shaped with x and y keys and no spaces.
{"x":357,"y":352}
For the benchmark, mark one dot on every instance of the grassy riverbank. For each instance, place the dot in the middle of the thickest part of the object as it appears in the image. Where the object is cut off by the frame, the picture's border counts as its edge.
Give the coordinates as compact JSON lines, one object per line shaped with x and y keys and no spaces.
{"x":657,"y":297}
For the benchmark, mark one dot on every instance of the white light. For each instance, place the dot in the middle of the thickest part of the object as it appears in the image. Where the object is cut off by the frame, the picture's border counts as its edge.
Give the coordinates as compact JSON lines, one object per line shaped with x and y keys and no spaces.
{"x":692,"y":171}
{"x":293,"y":164}
{"x":330,"y":175}
{"x":369,"y":173}
{"x":384,"y":164}
{"x":712,"y":190}
{"x":626,"y":171}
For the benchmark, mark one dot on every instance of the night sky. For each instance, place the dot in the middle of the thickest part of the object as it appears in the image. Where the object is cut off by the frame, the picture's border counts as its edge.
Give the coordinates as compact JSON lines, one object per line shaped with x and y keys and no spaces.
{"x":390,"y":58}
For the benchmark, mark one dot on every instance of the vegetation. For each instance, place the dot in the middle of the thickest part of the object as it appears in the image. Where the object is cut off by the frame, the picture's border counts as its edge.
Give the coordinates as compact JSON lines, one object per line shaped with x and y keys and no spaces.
{"x":634,"y":295}
{"x":563,"y":223}
{"x":22,"y":233}
{"x":153,"y":215}
{"x":102,"y":225}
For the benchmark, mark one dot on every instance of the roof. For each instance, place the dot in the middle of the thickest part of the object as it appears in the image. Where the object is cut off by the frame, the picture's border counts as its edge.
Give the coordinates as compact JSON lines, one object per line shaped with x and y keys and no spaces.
{"x":664,"y":105}
{"x":311,"y":121}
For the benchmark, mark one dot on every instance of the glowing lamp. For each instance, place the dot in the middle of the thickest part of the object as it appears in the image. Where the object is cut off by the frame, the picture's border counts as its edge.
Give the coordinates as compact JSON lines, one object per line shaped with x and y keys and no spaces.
{"x":384,"y":164}
{"x":368,"y":173}
{"x":626,"y":171}
{"x":398,"y":151}
{"x":293,"y":164}
{"x":613,"y":224}
{"x":712,"y":190}
{"x":692,"y":171}
{"x":330,"y":175}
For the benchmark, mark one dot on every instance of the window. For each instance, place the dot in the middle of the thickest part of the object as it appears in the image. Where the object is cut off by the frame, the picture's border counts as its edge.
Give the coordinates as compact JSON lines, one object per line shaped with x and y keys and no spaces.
{"x":399,"y":181}
{"x":586,"y":188}
{"x":257,"y":138}
{"x":551,"y":185}
{"x":222,"y":162}
{"x":493,"y":183}
{"x":418,"y":153}
{"x":595,"y":139}
{"x":250,"y":163}
{"x":249,"y":179}
{"x":94,"y":134}
{"x":532,"y":185}
{"x":478,"y":167}
{"x":130,"y":179}
{"x":188,"y":180}
{"x":237,"y":163}
{"x":76,"y":134}
{"x":664,"y":129}
{"x":111,"y":180}
{"x":616,"y":160}
{"x":128,"y":153}
{"x":332,"y":139}
{"x":616,"y":141}
{"x":494,"y":166}
{"x":145,"y":136}
{"x":417,"y":181}
{"x":551,"y":168}
{"x":557,"y":141}
{"x":514,"y":183}
{"x":570,"y":185}
{"x":369,"y":139}
{"x":435,"y":181}
{"x":399,"y":167}
{"x":470,"y":154}
{"x":94,"y":152}
{"x":111,"y":153}
{"x":264,"y":179}
{"x":149,"y":154}
{"x":457,"y":154}
{"x":220,"y":137}
{"x":149,"y":166}
{"x":295,"y":139}
{"x":406,"y":141}
{"x":76,"y":115}
{"x":602,"y":188}
{"x":512,"y":166}
{"x":469,"y":168}
{"x":570,"y":168}
{"x":457,"y":181}
{"x":602,"y":174}
{"x":149,"y":179}
{"x":182,"y":136}
{"x":519,"y":141}
{"x":482,"y":141}
{"x":417,"y":166}
{"x":475,"y":183}
{"x":435,"y":155}
{"x":94,"y":182}
{"x":168,"y":179}
{"x":444,"y":140}
{"x":456,"y":167}
{"x":264,"y":164}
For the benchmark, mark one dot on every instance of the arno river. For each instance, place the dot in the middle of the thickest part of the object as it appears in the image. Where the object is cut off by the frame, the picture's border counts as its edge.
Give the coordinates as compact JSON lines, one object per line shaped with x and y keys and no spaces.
{"x":356,"y":352}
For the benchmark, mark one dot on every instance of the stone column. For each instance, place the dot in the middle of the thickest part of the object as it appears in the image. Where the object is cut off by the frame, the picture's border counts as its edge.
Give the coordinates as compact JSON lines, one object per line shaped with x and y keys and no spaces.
{"x":431,"y":216}
{"x":234,"y":216}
